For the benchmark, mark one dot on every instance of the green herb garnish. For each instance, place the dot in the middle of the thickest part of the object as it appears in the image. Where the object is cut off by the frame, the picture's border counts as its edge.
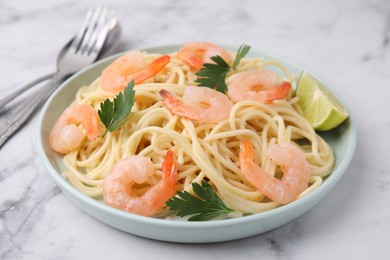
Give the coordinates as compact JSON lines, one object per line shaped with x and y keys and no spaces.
{"x":213,"y":75}
{"x":114,"y":114}
{"x":204,"y":207}
{"x":241,"y":53}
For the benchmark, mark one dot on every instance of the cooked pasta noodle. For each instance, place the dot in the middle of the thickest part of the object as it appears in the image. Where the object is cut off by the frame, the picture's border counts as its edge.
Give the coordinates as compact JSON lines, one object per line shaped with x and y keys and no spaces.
{"x":204,"y":151}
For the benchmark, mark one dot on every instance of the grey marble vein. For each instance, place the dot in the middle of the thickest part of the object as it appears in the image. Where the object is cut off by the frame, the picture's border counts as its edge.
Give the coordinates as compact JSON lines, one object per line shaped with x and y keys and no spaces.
{"x":8,"y":15}
{"x":19,"y":217}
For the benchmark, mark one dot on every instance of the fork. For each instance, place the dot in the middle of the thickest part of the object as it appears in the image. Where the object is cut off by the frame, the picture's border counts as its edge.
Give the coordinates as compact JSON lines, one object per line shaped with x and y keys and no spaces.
{"x":83,"y":50}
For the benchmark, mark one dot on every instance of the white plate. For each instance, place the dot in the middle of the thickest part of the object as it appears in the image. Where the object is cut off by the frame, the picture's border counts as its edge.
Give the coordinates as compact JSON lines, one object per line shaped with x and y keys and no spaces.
{"x":342,"y":140}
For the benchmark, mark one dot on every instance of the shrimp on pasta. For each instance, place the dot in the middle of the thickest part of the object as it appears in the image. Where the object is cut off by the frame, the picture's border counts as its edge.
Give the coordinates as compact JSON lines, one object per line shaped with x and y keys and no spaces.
{"x":195,"y":54}
{"x":257,"y":84}
{"x":137,"y":170}
{"x":248,"y":141}
{"x":65,"y":135}
{"x":130,"y":66}
{"x":199,"y":103}
{"x":296,"y":171}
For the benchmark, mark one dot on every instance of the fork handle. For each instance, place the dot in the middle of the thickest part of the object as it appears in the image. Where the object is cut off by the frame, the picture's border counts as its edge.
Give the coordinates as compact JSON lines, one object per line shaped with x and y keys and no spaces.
{"x":4,"y":101}
{"x":19,"y":118}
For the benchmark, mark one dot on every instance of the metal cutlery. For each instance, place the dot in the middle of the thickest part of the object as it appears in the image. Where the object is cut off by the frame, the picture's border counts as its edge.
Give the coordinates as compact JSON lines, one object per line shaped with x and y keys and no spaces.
{"x":82,"y":50}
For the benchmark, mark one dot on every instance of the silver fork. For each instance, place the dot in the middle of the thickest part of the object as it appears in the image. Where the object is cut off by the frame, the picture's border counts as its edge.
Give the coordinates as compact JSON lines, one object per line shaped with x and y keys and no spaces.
{"x":83,"y":50}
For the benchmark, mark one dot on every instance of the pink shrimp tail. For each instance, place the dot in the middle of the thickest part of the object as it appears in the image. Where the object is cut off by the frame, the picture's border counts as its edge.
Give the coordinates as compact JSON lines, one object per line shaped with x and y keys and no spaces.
{"x":159,"y":64}
{"x":192,"y":56}
{"x":169,"y":168}
{"x":278,"y":92}
{"x":176,"y":106}
{"x":169,"y":100}
{"x":151,"y":70}
{"x":247,"y":152}
{"x":91,"y":124}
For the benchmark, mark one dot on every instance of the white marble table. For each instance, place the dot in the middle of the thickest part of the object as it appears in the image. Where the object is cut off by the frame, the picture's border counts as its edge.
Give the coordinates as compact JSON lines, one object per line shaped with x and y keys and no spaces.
{"x":346,"y":42}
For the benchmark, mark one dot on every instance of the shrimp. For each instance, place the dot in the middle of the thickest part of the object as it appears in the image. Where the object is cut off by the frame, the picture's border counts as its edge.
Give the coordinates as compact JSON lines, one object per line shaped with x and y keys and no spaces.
{"x":195,"y":54}
{"x":138,"y":169}
{"x":201,"y":104}
{"x":258,"y":85}
{"x":296,"y":171}
{"x":130,"y":66}
{"x":65,"y":136}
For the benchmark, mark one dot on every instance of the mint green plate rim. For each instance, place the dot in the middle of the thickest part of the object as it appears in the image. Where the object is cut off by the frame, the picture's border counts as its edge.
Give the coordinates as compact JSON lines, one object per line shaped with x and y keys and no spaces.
{"x":342,"y":139}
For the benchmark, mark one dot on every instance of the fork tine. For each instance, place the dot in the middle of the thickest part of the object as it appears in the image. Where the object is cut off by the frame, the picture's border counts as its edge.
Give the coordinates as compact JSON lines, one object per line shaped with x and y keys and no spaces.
{"x":91,"y":37}
{"x":99,"y":12}
{"x":80,"y":35}
{"x":101,"y":40}
{"x":97,"y":32}
{"x":96,"y":44}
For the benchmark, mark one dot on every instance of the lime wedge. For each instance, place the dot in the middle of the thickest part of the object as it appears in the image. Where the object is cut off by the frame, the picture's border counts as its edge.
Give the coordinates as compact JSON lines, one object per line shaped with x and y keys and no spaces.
{"x":320,"y":107}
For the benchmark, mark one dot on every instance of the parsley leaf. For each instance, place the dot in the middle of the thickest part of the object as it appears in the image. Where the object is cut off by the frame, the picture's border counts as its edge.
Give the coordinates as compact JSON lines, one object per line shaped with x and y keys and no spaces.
{"x":241,"y":53}
{"x":204,"y":207}
{"x":114,"y":114}
{"x":213,"y":75}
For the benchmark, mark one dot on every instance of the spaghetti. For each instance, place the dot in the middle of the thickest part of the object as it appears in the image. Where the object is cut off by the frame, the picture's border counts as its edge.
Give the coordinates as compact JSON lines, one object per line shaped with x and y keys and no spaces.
{"x":204,"y":151}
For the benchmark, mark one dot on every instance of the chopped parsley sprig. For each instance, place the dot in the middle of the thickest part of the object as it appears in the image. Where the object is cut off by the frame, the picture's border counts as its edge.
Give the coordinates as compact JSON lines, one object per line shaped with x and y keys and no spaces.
{"x":114,"y":114}
{"x":241,"y":53}
{"x":205,"y":206}
{"x":213,"y":75}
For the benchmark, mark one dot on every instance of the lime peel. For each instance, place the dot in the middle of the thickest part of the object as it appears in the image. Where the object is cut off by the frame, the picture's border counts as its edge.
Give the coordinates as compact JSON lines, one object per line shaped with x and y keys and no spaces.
{"x":320,"y":106}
